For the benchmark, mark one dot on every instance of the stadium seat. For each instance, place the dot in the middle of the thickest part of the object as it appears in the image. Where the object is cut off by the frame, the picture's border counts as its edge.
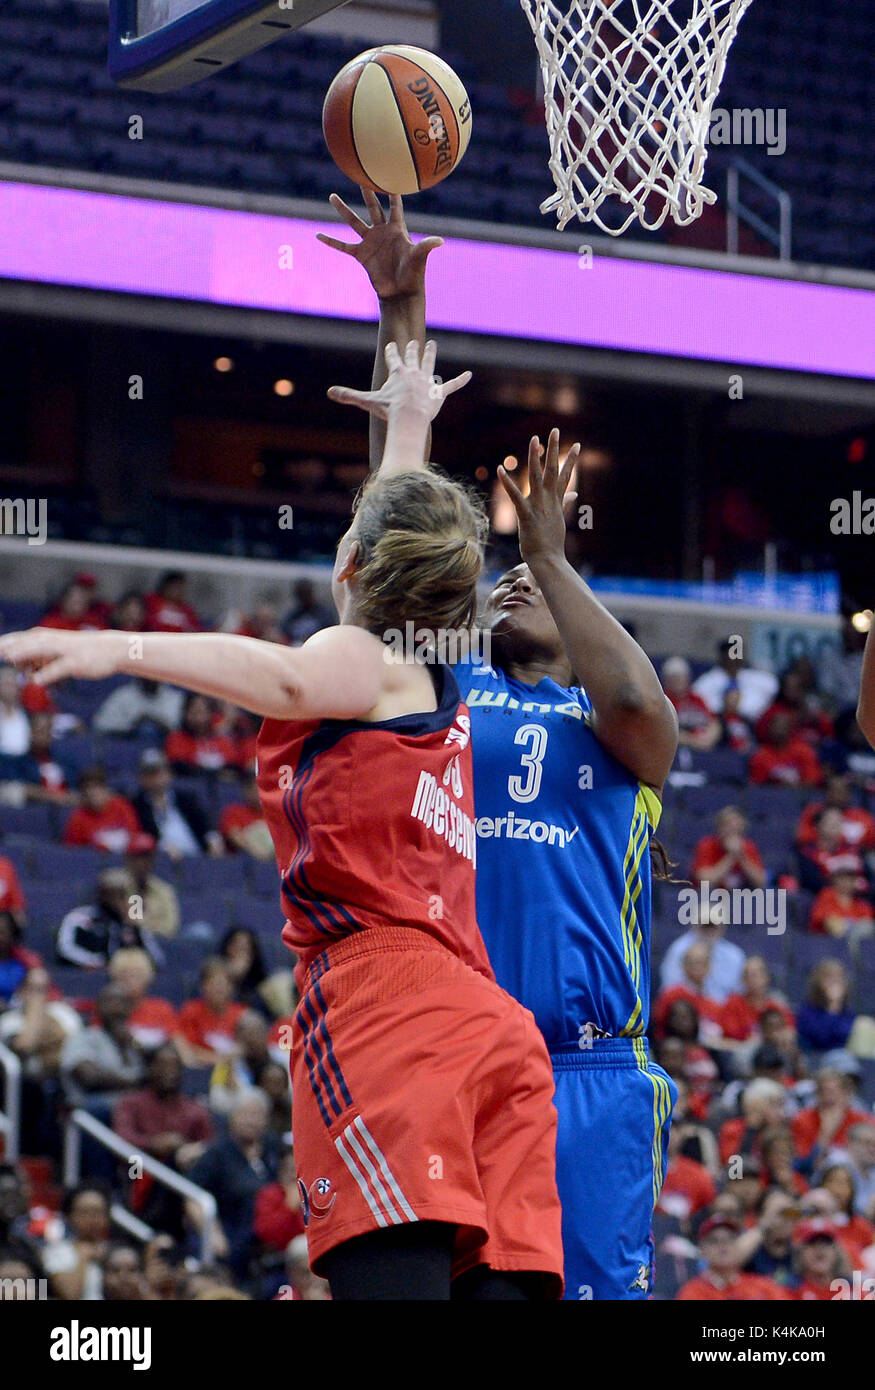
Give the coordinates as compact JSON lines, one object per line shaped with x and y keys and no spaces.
{"x":37,"y":820}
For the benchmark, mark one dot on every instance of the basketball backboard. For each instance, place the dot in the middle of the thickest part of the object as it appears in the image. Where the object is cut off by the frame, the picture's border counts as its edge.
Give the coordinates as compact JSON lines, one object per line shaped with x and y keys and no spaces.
{"x":160,"y":45}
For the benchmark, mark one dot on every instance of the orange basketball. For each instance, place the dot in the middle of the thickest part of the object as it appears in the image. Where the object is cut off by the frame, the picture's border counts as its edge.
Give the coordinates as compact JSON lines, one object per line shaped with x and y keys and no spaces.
{"x":397,"y":119}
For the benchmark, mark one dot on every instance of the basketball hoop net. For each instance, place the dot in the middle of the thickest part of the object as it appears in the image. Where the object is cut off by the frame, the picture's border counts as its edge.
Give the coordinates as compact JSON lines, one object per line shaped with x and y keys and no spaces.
{"x":629,"y":89}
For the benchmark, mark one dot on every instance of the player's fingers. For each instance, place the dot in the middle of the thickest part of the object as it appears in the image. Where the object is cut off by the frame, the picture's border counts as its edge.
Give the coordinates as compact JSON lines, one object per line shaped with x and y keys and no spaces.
{"x":345,"y":395}
{"x":429,"y":357}
{"x":509,"y":485}
{"x":374,"y":207}
{"x":568,"y":503}
{"x":567,"y":469}
{"x":411,"y":354}
{"x":57,"y":670}
{"x":396,"y":209}
{"x":551,"y":466}
{"x":423,"y":249}
{"x":345,"y":211}
{"x":535,"y":470}
{"x":393,"y":357}
{"x":33,"y":645}
{"x":348,"y":248}
{"x":457,"y":383}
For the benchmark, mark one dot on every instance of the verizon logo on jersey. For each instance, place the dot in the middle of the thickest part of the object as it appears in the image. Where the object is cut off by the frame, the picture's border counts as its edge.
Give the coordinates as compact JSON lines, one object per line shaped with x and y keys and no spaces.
{"x":438,"y":811}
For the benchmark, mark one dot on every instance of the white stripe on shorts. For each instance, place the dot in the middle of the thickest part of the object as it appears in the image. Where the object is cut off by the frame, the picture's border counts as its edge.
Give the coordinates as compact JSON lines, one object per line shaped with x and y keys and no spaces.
{"x":375,"y":1149}
{"x":360,"y":1179}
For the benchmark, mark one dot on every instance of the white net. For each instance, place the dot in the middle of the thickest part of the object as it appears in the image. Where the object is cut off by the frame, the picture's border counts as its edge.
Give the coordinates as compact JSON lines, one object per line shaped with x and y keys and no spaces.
{"x":629,"y":88}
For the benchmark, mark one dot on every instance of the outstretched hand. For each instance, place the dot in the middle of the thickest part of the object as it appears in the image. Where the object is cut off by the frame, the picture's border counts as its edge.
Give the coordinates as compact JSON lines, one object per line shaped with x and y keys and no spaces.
{"x":541,"y":515}
{"x":411,"y":387}
{"x":395,"y":265}
{"x":49,"y":654}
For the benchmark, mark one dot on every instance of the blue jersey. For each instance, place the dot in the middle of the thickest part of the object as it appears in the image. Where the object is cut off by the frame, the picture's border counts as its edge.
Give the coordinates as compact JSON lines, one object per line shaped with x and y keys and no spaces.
{"x":563,"y":869}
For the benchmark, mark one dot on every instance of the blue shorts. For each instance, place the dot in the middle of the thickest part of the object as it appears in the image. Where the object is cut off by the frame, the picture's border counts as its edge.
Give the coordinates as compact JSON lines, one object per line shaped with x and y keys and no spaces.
{"x":614,"y":1109}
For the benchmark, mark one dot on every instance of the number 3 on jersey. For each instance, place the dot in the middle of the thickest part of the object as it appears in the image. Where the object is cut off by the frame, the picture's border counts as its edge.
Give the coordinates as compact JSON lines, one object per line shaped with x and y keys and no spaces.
{"x":526,"y":788}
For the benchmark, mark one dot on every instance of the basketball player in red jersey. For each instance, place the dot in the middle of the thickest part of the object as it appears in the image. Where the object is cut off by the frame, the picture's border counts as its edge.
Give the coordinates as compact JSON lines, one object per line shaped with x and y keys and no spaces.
{"x":423,"y":1121}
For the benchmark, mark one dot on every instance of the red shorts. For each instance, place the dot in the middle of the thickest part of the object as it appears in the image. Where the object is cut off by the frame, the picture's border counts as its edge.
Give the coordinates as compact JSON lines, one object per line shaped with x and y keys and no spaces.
{"x":423,"y":1092}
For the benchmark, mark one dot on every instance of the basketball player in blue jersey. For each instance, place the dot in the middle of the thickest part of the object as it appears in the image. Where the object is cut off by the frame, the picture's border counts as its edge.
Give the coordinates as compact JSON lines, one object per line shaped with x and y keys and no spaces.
{"x":573,"y":739}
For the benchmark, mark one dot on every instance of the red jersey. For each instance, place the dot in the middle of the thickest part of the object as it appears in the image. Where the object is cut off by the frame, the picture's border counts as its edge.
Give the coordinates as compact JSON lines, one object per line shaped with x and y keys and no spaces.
{"x":710,"y":851}
{"x":11,"y":896}
{"x":162,"y":615}
{"x":795,"y":764}
{"x":858,"y":827}
{"x":806,"y":1128}
{"x":828,"y":904}
{"x":373,"y":825}
{"x":688,"y":1188}
{"x":743,"y":1288}
{"x":109,"y":829}
{"x":739,"y":1019}
{"x":211,"y":752}
{"x":692,"y":712}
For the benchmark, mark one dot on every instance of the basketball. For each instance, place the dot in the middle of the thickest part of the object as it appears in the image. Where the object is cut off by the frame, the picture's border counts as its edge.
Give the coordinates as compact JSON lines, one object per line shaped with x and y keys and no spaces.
{"x":397,"y":119}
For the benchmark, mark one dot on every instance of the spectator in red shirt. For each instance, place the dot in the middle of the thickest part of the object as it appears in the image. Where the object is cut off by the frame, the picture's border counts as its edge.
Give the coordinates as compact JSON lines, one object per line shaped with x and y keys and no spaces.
{"x":696,"y":964}
{"x":688,"y":1187}
{"x":153,"y":1021}
{"x":104,"y":819}
{"x":858,"y":826}
{"x":681,"y":1053}
{"x":196,"y":747}
{"x":807,"y":720}
{"x":721,"y":1279}
{"x":162,"y":1122}
{"x":129,"y":614}
{"x":11,"y":895}
{"x":278,"y":1213}
{"x":75,"y":610}
{"x":236,"y":724}
{"x":820,"y":1259}
{"x":829,"y":1119}
{"x":855,"y":1232}
{"x":159,"y":1119}
{"x":208,"y":1023}
{"x":838,"y":910}
{"x":262,"y":622}
{"x":785,"y":757}
{"x":829,"y":853}
{"x":167,"y":609}
{"x":242,"y":823}
{"x":763,"y":1104}
{"x":740,"y":1015}
{"x":697,"y":726}
{"x":728,"y":859}
{"x":737,"y":731}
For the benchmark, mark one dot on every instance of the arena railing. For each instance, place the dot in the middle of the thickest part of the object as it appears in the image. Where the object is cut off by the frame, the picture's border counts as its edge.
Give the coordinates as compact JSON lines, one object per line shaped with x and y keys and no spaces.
{"x":10,"y":1118}
{"x":80,"y":1121}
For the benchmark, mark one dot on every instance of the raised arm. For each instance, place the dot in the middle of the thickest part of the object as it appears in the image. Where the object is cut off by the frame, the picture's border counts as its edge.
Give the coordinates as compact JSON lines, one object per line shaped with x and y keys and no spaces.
{"x":396,"y":268}
{"x":408,"y":401}
{"x":866,"y":707}
{"x":632,"y":717}
{"x":338,"y":674}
